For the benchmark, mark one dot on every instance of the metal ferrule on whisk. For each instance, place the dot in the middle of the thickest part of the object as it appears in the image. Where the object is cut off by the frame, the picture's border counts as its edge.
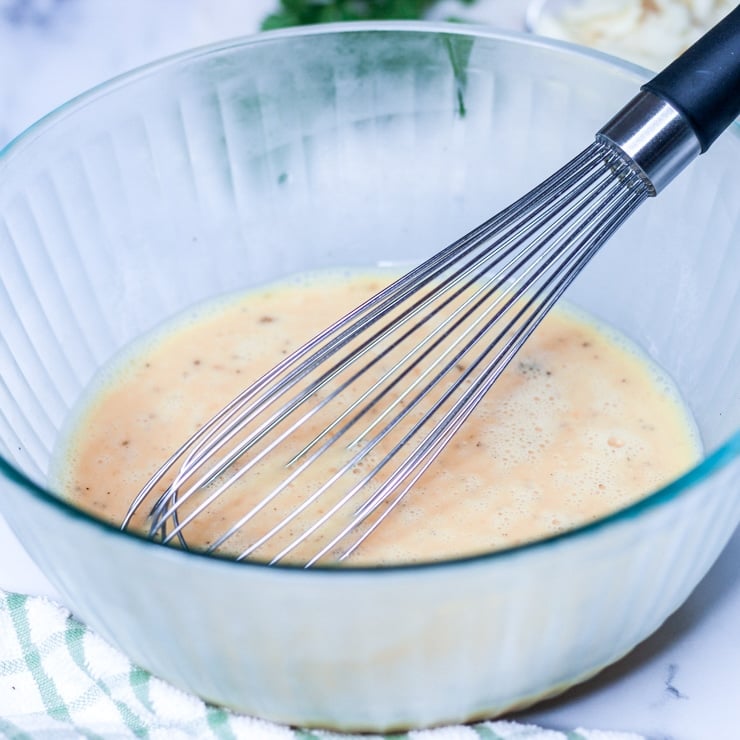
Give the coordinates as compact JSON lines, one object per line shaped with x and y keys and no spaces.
{"x":656,"y":137}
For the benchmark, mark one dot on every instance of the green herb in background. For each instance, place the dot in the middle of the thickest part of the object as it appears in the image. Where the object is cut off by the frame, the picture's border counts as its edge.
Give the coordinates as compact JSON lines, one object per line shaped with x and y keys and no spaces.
{"x":304,"y":12}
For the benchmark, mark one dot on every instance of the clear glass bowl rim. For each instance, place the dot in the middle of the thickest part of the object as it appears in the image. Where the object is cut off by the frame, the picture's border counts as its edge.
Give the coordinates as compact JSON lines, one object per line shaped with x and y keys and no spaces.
{"x":724,"y":455}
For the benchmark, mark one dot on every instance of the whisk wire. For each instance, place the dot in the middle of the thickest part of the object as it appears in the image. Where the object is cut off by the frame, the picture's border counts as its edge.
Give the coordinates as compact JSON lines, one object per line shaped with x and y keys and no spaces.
{"x":207,"y":444}
{"x":485,"y":293}
{"x":579,"y":255}
{"x":435,"y":442}
{"x":386,"y":300}
{"x":464,"y":272}
{"x":425,"y":454}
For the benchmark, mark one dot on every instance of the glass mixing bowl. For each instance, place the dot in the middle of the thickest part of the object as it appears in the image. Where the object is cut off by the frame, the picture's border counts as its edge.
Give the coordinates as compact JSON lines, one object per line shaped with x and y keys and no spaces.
{"x":236,"y":164}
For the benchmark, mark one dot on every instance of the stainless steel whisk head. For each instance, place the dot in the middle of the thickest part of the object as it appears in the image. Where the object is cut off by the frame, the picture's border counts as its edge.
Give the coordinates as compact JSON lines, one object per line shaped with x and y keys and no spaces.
{"x":380,"y":393}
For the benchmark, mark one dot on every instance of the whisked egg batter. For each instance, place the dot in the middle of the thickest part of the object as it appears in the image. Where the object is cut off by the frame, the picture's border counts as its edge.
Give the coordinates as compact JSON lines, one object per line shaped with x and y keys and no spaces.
{"x":578,"y":426}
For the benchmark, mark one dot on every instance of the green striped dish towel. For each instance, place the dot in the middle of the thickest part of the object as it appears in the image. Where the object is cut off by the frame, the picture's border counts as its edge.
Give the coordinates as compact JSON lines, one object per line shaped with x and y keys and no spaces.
{"x":60,"y":681}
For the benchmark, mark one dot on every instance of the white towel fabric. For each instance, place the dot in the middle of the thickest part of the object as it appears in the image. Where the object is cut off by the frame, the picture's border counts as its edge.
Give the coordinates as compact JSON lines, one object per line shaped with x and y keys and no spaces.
{"x":60,"y":681}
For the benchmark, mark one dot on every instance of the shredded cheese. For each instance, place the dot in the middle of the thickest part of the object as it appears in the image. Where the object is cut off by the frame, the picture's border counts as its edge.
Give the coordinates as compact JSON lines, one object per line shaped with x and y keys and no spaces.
{"x":647,"y":32}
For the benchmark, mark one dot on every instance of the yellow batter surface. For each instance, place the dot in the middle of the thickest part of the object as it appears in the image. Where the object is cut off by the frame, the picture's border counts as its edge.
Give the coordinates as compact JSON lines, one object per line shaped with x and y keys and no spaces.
{"x":579,"y":425}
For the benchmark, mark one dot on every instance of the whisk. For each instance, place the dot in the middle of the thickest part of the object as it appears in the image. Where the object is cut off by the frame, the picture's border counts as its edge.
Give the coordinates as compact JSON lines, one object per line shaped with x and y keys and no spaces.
{"x":382,"y":391}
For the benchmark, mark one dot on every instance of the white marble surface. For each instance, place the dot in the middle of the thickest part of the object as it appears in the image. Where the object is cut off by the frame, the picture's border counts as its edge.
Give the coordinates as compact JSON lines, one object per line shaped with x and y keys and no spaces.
{"x":682,"y":683}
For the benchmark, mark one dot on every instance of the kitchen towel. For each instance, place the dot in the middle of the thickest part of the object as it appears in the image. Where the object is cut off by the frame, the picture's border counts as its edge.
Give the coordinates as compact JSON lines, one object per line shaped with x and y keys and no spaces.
{"x":60,"y":681}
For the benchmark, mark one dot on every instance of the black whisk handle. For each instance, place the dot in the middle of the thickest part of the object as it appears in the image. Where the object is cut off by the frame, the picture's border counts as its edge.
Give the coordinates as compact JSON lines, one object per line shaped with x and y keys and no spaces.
{"x":703,"y":84}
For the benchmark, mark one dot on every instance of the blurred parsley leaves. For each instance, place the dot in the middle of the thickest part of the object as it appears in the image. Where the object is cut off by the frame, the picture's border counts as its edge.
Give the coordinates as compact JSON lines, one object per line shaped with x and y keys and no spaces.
{"x":304,"y":12}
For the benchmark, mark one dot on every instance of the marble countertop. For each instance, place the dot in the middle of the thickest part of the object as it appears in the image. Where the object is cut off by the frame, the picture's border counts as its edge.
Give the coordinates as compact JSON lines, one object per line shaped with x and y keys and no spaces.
{"x":681,"y":683}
